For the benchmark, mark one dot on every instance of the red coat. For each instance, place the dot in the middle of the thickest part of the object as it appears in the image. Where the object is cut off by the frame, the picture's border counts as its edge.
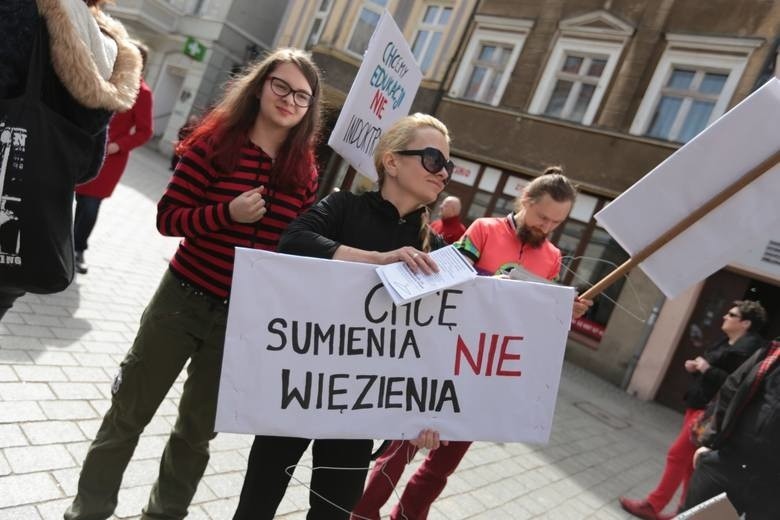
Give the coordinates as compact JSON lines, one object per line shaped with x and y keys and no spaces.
{"x":120,"y":132}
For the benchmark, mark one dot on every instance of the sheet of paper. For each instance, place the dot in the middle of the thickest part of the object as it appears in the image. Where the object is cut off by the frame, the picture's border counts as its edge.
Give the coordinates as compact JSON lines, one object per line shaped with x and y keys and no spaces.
{"x":405,"y":286}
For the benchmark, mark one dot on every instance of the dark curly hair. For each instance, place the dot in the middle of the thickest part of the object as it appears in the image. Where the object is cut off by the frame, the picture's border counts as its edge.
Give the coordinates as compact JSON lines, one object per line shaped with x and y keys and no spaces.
{"x":752,"y":311}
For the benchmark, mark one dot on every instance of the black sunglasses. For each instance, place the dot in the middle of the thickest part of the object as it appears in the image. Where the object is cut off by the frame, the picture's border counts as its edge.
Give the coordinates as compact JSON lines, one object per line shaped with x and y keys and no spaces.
{"x":432,"y":160}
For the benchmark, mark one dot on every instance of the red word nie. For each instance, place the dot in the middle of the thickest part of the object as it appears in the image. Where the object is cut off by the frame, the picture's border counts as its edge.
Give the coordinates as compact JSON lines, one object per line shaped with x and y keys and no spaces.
{"x":463,"y":351}
{"x":378,"y":103}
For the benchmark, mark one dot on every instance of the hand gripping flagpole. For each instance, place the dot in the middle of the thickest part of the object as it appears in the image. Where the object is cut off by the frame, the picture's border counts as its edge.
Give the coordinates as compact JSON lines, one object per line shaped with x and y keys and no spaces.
{"x":681,"y":226}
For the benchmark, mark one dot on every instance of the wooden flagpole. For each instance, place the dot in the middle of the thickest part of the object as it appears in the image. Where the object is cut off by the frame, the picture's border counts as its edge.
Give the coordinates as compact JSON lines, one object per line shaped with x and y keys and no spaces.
{"x":681,"y":226}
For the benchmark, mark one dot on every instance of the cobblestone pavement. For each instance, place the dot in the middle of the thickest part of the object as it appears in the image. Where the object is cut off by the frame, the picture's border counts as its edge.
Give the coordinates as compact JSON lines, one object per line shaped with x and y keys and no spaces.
{"x":59,"y":353}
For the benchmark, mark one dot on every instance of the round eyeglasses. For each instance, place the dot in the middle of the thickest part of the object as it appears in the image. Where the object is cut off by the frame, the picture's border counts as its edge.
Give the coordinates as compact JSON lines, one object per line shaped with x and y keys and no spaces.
{"x":282,"y":89}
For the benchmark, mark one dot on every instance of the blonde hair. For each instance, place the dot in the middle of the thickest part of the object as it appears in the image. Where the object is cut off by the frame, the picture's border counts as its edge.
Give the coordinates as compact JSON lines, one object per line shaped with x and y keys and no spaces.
{"x":398,"y":137}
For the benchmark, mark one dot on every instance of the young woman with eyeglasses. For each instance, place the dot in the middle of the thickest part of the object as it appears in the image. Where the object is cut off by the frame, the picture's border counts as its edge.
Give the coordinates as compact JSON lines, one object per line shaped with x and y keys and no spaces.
{"x":247,"y":170}
{"x":379,"y":227}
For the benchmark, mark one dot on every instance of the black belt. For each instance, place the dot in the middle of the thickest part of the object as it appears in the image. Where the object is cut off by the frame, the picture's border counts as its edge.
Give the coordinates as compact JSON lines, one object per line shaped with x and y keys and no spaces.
{"x":190,"y":288}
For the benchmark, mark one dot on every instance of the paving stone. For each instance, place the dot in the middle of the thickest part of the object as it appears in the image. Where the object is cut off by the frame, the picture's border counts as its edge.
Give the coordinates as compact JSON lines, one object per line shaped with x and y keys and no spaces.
{"x":59,"y":359}
{"x":64,"y":410}
{"x":29,"y":459}
{"x":17,"y":490}
{"x":13,"y":317}
{"x":7,"y":374}
{"x":19,"y":513}
{"x":42,"y":320}
{"x":52,"y":432}
{"x":87,"y":359}
{"x":49,"y":310}
{"x":38,"y":373}
{"x":12,"y":435}
{"x":75,"y":390}
{"x":132,"y":500}
{"x":32,"y":331}
{"x":225,"y":485}
{"x":53,"y":509}
{"x":14,"y":357}
{"x":18,"y":342}
{"x":20,"y":411}
{"x":87,"y":374}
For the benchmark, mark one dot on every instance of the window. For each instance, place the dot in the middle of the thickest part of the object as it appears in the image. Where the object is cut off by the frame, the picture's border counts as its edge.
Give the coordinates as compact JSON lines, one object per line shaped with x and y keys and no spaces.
{"x":318,"y":22}
{"x":692,"y":86}
{"x":426,"y":41}
{"x":687,"y":102}
{"x":575,"y":79}
{"x":489,"y":59}
{"x":365,"y":25}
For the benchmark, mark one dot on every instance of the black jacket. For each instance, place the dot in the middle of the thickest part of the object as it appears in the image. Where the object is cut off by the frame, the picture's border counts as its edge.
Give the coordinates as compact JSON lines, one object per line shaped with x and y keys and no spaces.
{"x":71,"y":86}
{"x":723,"y":359}
{"x":747,"y":431}
{"x":364,"y":221}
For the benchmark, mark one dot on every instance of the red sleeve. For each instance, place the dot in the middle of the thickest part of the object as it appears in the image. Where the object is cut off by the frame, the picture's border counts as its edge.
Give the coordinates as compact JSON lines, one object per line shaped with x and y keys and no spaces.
{"x":181,"y":210}
{"x":142,"y":121}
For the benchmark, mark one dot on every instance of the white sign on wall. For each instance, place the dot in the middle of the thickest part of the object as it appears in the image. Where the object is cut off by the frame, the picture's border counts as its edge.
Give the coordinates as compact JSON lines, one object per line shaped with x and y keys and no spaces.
{"x":478,"y":361}
{"x":382,"y":93}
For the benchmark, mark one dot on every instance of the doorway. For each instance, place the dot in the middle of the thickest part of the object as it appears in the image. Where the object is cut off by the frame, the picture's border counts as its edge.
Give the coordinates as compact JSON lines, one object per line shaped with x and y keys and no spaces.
{"x":703,"y":328}
{"x":166,"y":94}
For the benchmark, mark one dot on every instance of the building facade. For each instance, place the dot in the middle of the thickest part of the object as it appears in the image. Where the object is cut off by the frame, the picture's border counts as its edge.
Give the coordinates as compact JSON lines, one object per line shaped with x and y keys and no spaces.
{"x":605,"y":88}
{"x":195,"y":46}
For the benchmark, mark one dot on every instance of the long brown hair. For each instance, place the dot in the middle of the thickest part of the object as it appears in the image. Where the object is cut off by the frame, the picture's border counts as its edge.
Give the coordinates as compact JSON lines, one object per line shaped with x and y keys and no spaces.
{"x":226,"y":126}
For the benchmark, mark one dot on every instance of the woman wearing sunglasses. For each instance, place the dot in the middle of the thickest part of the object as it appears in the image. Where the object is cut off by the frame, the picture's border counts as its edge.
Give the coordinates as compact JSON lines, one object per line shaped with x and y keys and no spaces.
{"x":247,"y":170}
{"x":380,"y":227}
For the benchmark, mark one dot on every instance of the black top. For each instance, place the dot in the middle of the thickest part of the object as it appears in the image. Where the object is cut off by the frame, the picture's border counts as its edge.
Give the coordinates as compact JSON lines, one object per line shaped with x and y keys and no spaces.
{"x":364,"y":221}
{"x":19,"y":24}
{"x":723,"y":359}
{"x":747,"y":426}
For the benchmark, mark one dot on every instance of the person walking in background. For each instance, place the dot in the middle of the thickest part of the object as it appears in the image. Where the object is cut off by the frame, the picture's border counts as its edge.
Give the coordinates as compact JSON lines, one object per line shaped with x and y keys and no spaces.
{"x":378,"y":227}
{"x":448,"y":225}
{"x":741,"y":325}
{"x":494,"y":246}
{"x":94,"y":71}
{"x":246,"y":172}
{"x":126,"y":131}
{"x":740,"y":454}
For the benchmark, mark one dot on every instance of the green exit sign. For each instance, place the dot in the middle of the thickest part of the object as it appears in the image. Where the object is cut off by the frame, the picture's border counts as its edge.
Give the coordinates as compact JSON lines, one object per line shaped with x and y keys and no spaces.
{"x":194,"y":49}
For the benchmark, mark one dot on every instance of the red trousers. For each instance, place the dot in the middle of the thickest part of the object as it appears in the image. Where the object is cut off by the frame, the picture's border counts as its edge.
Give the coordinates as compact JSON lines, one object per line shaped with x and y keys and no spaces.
{"x":422,"y":489}
{"x":679,"y":465}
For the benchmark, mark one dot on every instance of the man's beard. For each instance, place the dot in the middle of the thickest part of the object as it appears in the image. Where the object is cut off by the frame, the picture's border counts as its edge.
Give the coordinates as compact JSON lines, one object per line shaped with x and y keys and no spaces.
{"x":530,"y":237}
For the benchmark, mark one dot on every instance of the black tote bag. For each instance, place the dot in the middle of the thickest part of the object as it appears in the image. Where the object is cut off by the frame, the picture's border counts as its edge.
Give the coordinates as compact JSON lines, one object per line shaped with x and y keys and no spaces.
{"x":41,"y":155}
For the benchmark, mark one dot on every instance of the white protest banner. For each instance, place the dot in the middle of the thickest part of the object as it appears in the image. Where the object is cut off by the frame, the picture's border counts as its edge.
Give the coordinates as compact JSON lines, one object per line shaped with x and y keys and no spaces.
{"x":713,"y":160}
{"x":382,"y":93}
{"x":315,"y":348}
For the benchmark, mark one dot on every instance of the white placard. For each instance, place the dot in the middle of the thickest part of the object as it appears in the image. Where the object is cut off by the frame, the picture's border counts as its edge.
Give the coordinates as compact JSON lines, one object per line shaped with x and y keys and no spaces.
{"x":382,"y":93}
{"x":480,"y":361}
{"x":738,"y":141}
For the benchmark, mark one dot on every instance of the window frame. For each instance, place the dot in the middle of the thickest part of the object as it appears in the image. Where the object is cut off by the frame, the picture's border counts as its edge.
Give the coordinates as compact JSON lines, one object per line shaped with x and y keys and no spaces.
{"x":490,"y":29}
{"x":422,"y":26}
{"x":578,"y":46}
{"x":372,"y":6}
{"x":698,"y":54}
{"x":318,"y":15}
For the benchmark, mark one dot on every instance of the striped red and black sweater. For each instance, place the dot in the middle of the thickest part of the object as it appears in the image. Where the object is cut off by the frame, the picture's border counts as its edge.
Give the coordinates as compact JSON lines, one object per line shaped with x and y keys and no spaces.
{"x":195,"y":206}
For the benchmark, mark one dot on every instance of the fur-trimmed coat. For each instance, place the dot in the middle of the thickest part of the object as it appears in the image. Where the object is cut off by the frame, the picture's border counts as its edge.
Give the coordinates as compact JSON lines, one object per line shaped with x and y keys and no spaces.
{"x":73,"y":87}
